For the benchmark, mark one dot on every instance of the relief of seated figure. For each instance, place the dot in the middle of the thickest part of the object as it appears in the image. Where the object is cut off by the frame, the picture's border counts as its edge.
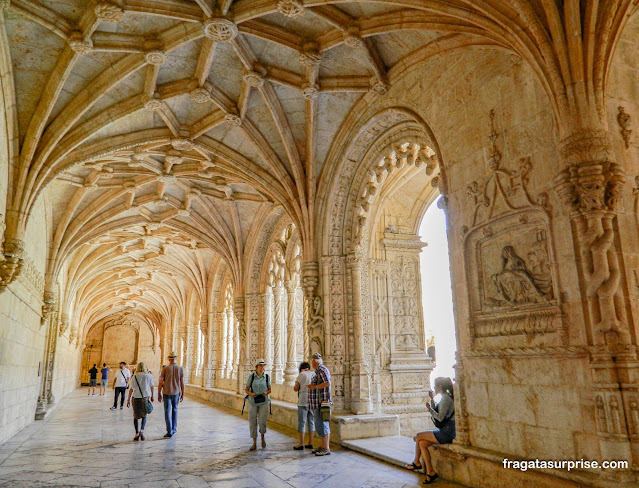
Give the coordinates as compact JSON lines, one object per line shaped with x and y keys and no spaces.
{"x":514,"y":282}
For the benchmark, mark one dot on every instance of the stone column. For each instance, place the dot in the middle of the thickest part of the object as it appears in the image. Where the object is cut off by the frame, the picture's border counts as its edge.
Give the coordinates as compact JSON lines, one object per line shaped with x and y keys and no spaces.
{"x":242,"y":344}
{"x":207,"y":323}
{"x":46,"y":396}
{"x":188,"y":357}
{"x":230,"y":337}
{"x":590,"y":184}
{"x":278,"y":359}
{"x":361,"y":402}
{"x":267,"y":308}
{"x":410,"y":365}
{"x":314,"y":324}
{"x":291,"y":340}
{"x":221,"y":365}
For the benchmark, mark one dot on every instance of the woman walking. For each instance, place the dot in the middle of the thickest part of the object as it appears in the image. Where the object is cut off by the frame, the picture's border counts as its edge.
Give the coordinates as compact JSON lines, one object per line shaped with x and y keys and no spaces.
{"x":443,"y":414}
{"x":258,"y":388}
{"x":141,"y":390}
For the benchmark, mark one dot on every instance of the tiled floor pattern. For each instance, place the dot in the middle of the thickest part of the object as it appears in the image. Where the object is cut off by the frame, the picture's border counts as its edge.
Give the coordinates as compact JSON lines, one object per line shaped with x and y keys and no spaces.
{"x":84,"y":444}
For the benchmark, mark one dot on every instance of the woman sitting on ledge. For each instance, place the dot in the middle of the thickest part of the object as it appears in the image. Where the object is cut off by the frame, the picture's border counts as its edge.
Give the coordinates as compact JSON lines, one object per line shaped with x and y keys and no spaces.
{"x":444,"y":418}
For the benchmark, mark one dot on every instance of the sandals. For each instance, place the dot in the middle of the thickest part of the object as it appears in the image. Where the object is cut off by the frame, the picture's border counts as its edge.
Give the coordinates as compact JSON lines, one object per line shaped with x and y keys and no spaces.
{"x":413,"y":467}
{"x":430,"y":478}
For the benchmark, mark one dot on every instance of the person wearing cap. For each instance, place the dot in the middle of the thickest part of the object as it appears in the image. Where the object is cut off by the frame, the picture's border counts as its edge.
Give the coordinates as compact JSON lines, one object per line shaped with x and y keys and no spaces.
{"x":171,"y":385}
{"x":319,"y":390}
{"x":258,"y":389}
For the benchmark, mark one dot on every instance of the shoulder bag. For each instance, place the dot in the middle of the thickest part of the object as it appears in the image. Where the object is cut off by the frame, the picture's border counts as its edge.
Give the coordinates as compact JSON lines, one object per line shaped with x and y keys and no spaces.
{"x":148,"y":406}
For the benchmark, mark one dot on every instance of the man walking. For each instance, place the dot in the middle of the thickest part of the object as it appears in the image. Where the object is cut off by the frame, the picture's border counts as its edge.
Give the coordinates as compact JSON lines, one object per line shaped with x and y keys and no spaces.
{"x":319,"y":391}
{"x":104,"y":381}
{"x":94,"y":379}
{"x":171,"y":385}
{"x":120,"y":384}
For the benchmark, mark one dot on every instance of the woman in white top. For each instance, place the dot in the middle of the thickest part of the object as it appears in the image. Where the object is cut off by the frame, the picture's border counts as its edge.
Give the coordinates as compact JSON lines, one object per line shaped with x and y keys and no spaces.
{"x":141,"y":389}
{"x":303,"y":414}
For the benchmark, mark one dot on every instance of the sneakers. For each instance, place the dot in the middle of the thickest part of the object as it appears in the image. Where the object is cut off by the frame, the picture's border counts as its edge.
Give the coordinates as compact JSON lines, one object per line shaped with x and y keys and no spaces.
{"x":323,"y":452}
{"x":298,"y":448}
{"x":121,"y":407}
{"x":114,"y":408}
{"x":314,"y":451}
{"x":168,"y":434}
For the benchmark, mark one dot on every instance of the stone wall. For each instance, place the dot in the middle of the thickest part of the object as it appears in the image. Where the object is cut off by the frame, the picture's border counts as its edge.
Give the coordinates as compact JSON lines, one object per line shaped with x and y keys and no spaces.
{"x":22,"y":337}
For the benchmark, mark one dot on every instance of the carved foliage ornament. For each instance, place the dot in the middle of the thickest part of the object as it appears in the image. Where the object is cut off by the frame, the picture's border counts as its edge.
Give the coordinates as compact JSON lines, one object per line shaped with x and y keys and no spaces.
{"x":623,"y":119}
{"x":109,"y":12}
{"x":220,"y":29}
{"x":291,"y":8}
{"x":79,"y":44}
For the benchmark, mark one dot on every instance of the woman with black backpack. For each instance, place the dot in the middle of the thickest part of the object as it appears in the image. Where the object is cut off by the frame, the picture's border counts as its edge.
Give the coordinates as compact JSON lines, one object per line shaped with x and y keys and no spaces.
{"x":258,"y":388}
{"x":443,"y":414}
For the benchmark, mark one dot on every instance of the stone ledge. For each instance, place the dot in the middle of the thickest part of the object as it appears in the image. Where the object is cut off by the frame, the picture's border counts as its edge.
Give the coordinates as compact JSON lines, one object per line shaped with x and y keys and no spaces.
{"x":343,"y":427}
{"x":466,"y":465}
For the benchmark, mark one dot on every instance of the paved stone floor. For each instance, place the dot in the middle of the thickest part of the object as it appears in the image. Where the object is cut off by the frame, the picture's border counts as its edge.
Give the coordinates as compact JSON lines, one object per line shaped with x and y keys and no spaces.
{"x":84,"y":444}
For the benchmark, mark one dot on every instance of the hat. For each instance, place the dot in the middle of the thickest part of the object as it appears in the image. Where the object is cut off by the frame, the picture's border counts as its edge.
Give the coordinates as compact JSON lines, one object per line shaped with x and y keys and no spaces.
{"x":317,"y":355}
{"x":260,"y":361}
{"x":173,"y":355}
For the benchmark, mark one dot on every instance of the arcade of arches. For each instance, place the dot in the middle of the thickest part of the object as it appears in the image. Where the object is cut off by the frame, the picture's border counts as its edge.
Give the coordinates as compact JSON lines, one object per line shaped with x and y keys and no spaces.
{"x":234,"y":179}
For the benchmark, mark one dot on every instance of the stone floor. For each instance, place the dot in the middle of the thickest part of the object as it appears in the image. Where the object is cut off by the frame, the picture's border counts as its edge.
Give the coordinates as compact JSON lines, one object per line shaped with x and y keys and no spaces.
{"x":84,"y":444}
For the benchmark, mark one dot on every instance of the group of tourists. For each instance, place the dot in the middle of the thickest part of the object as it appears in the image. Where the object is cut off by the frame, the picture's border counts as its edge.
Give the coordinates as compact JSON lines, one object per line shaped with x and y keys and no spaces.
{"x":314,"y":404}
{"x":93,"y":382}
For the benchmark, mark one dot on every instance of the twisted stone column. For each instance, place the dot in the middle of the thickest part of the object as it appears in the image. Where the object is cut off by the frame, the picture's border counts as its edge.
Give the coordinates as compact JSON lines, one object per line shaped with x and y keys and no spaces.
{"x":290,"y":373}
{"x":278,"y":372}
{"x":230,"y":337}
{"x":267,"y":307}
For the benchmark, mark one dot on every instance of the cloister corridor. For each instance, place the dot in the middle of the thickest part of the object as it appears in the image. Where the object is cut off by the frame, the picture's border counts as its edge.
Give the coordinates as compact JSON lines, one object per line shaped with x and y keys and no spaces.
{"x":84,"y":444}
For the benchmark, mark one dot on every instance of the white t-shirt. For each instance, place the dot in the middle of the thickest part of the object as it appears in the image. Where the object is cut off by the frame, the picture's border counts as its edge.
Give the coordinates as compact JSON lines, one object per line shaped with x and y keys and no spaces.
{"x":121,"y":375}
{"x":304,"y":378}
{"x":146,"y":382}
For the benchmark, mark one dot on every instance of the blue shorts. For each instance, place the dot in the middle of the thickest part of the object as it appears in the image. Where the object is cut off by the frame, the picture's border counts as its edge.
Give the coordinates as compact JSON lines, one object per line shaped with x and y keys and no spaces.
{"x":304,"y":415}
{"x":104,"y":381}
{"x":446,"y":434}
{"x":322,"y":427}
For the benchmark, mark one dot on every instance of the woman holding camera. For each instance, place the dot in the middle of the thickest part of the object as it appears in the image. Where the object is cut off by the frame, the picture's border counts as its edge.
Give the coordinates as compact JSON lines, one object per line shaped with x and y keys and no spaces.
{"x":443,"y":414}
{"x":258,"y":388}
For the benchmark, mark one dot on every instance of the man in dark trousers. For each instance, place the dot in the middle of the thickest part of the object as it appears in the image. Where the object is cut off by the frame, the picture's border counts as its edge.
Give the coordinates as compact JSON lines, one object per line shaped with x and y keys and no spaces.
{"x":172,"y":387}
{"x":93,"y":382}
{"x":120,"y":384}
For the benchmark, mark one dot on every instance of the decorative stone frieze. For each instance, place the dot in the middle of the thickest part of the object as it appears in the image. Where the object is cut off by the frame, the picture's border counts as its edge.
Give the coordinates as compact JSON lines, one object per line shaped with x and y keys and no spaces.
{"x":220,"y":29}
{"x":183,"y":144}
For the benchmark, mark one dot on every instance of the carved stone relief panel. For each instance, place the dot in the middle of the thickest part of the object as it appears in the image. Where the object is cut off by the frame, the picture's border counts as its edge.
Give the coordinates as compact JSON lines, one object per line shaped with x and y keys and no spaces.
{"x":510,"y":260}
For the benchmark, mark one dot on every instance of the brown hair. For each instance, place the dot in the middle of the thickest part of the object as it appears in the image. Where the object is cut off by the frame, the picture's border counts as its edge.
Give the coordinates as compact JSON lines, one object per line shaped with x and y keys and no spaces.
{"x":446,"y":384}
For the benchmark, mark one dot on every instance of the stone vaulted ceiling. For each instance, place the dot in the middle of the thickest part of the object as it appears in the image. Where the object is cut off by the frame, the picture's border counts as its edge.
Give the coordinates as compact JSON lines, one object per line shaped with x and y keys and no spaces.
{"x":166,"y":130}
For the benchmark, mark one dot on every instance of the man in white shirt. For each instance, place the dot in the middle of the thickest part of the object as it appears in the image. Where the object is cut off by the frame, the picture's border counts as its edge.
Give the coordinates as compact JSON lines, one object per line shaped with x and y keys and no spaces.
{"x":303,"y":414}
{"x":120,"y":384}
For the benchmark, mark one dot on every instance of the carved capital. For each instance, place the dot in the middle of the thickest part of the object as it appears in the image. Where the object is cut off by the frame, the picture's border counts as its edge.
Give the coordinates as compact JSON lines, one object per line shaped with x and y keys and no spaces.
{"x":12,"y":263}
{"x":310,"y":277}
{"x":588,"y":145}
